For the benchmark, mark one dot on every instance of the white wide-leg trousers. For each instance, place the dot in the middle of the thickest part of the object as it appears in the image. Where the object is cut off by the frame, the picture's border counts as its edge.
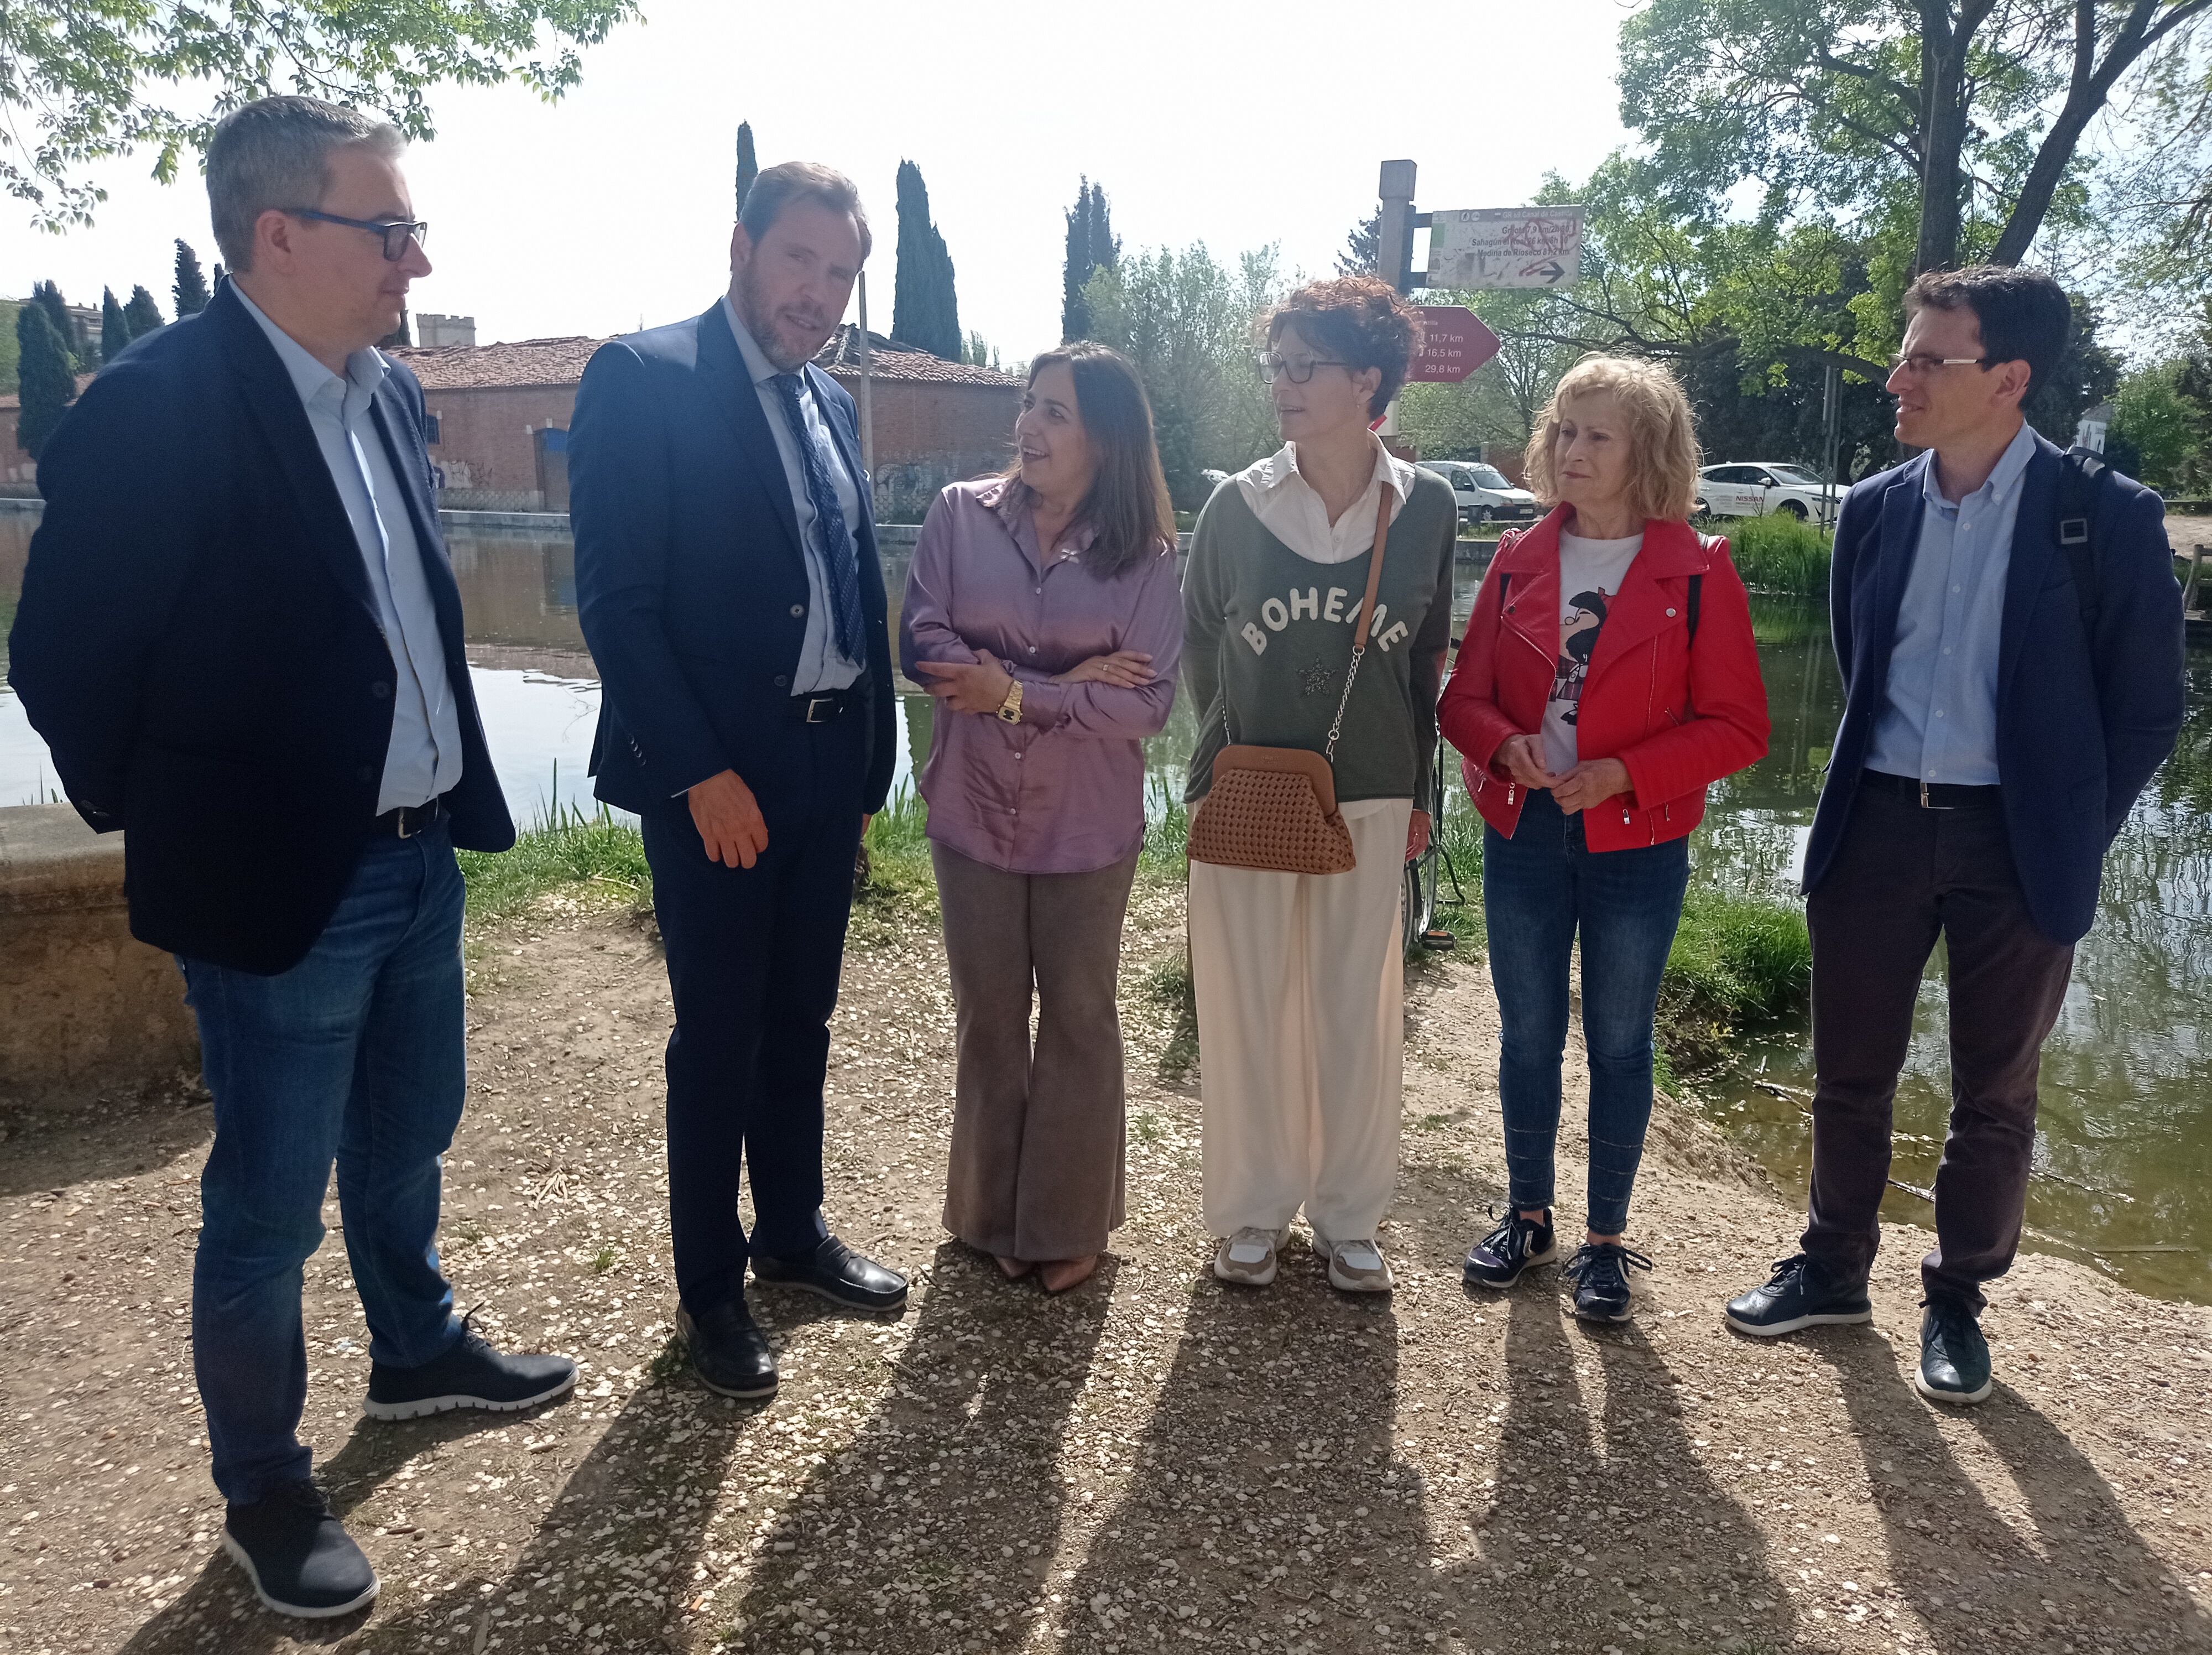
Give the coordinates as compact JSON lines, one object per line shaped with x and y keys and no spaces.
{"x":1300,"y":981}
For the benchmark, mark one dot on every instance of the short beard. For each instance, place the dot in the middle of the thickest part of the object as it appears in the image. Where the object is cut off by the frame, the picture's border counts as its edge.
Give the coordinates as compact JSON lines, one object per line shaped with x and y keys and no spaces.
{"x":760,"y":324}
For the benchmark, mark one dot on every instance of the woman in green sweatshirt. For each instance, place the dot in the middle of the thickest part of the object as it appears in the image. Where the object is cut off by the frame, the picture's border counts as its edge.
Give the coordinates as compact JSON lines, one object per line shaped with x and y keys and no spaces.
{"x":1299,"y":978}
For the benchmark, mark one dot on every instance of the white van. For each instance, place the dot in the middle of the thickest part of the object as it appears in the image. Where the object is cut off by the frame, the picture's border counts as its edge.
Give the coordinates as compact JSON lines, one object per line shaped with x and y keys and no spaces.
{"x":1483,"y":493}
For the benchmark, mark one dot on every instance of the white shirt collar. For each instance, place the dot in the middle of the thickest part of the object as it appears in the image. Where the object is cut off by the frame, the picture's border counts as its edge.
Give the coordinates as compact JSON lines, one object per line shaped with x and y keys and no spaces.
{"x":365,"y":369}
{"x":1281,"y":467}
{"x":2011,"y":467}
{"x":1289,"y":507}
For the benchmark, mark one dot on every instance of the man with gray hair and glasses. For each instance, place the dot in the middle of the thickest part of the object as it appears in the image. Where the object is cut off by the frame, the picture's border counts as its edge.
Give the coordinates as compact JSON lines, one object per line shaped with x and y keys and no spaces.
{"x":245,"y":647}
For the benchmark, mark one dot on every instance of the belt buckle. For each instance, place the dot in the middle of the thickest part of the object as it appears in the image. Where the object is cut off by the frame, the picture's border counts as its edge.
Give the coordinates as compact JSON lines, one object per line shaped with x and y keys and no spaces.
{"x":1925,"y":803}
{"x":403,"y":812}
{"x":820,"y":709}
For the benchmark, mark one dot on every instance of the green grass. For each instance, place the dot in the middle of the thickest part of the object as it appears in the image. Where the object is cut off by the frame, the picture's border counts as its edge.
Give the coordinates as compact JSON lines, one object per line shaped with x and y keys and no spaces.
{"x":1777,"y":552}
{"x":562,"y":848}
{"x":1736,"y":962}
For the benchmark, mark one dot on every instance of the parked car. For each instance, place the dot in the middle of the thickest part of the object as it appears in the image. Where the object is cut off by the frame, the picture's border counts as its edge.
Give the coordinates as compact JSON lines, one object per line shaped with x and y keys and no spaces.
{"x":1754,"y":489}
{"x":1483,"y":493}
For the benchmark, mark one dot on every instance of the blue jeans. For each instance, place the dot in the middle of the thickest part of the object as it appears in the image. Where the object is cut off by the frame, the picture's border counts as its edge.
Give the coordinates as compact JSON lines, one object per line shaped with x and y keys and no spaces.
{"x":1538,"y":888}
{"x":353,"y":1054}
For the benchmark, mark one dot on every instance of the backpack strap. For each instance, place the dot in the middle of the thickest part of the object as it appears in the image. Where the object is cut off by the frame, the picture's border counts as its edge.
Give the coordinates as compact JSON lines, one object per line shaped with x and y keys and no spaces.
{"x":2080,"y":478}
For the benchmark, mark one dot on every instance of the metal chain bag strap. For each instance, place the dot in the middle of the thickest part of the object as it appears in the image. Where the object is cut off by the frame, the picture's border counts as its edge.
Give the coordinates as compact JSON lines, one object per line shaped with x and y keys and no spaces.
{"x":1275,"y":808}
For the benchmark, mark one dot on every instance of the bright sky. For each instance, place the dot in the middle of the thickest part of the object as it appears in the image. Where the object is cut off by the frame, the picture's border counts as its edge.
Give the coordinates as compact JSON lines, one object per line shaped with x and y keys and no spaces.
{"x":1236,"y":125}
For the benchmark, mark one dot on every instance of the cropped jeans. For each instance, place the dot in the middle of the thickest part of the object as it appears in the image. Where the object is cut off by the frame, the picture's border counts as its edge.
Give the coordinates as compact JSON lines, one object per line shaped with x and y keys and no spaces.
{"x":354,"y":1056}
{"x":1538,"y":889}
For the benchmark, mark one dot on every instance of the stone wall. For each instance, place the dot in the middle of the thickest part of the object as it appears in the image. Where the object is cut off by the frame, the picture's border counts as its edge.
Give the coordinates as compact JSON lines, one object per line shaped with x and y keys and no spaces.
{"x":85,"y":1007}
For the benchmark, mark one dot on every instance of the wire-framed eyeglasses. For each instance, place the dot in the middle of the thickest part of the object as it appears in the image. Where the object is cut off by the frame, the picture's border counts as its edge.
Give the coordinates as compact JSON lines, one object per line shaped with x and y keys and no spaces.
{"x":396,"y":232}
{"x":1920,"y":363}
{"x":1273,"y":365}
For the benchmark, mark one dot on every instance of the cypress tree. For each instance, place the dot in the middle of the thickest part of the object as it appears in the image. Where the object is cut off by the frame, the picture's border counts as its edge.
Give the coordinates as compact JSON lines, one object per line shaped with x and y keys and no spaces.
{"x":924,"y":311}
{"x":141,"y":312}
{"x":114,"y":327}
{"x":1092,"y":245}
{"x":1363,"y":247}
{"x":190,"y":290}
{"x":748,"y":168}
{"x":48,"y":297}
{"x":46,"y":378}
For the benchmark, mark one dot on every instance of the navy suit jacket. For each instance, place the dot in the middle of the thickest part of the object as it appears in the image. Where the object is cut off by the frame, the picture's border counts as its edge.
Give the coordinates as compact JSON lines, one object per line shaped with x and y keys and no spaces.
{"x":2083,"y":718}
{"x":690,"y":578}
{"x":198,"y":645}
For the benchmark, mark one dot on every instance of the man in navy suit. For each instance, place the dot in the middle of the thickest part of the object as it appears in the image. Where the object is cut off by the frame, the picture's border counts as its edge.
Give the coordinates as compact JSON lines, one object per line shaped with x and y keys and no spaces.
{"x":2010,"y":633}
{"x":726,"y":573}
{"x":242,"y":641}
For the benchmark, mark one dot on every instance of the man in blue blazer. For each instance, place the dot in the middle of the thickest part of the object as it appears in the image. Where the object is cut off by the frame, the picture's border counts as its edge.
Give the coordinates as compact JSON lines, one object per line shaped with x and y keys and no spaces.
{"x":242,"y":641}
{"x":2010,"y":634}
{"x":727,"y":575}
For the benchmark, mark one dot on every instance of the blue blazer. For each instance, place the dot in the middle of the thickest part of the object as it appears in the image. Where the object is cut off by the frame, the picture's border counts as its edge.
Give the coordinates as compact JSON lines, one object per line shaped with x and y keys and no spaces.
{"x":690,"y":579}
{"x":2083,"y":718}
{"x":198,"y":645}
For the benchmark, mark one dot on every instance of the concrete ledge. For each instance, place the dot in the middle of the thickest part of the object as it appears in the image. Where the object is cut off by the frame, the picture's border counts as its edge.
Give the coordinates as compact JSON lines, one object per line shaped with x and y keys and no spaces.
{"x":85,"y":1007}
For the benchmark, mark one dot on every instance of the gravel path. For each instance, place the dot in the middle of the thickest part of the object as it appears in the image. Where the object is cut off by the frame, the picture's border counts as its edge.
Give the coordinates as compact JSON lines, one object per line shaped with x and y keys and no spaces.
{"x":1152,"y":1462}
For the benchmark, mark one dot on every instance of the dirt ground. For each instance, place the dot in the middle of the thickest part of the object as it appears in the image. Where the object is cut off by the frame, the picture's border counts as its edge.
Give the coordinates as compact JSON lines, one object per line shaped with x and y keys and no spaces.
{"x":1150,"y":1463}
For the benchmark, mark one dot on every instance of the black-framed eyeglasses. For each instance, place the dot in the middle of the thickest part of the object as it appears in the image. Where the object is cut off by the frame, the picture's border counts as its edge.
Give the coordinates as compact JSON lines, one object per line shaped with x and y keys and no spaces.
{"x":396,"y":232}
{"x":1920,"y":363}
{"x":1273,"y":366}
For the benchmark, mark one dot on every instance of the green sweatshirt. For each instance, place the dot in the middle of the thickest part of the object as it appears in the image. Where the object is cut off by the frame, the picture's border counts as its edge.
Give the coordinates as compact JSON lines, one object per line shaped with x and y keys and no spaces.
{"x":1267,"y":638}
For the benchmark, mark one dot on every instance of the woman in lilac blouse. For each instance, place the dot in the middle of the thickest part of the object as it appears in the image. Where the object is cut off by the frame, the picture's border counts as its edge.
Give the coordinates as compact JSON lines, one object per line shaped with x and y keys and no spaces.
{"x":1042,"y":610}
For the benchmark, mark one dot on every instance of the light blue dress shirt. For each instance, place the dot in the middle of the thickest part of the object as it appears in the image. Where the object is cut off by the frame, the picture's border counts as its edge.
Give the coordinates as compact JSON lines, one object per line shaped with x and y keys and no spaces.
{"x":1940,"y":723}
{"x":423,"y":758}
{"x":822,"y":665}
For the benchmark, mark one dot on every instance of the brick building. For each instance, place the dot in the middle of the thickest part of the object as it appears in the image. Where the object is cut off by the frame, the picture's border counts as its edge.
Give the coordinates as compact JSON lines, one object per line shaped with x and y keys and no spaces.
{"x":501,"y":414}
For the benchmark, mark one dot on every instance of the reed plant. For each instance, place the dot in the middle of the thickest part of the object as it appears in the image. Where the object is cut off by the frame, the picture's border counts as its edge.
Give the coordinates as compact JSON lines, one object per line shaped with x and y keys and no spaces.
{"x":1778,"y":553}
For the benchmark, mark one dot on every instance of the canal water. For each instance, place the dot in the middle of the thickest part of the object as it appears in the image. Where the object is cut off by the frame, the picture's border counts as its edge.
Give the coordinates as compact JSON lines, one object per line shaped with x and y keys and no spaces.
{"x":2123,"y":1154}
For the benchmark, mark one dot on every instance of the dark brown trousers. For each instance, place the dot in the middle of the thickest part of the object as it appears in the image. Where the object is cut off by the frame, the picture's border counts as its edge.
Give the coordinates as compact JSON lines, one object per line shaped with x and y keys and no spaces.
{"x":1037,"y":1160}
{"x":1903,"y":876}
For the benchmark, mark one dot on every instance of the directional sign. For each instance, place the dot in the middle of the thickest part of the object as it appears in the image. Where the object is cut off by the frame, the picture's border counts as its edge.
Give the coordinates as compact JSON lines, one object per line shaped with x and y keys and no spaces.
{"x":1505,"y":247}
{"x":1454,"y":343}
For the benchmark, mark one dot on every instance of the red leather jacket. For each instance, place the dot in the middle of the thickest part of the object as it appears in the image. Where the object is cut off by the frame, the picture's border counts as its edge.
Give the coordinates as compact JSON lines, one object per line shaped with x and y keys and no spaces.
{"x":1680,"y":715}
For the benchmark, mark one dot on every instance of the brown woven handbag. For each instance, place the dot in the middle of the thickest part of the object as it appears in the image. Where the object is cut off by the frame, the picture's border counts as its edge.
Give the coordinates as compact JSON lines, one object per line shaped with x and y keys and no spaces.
{"x":1275,"y":808}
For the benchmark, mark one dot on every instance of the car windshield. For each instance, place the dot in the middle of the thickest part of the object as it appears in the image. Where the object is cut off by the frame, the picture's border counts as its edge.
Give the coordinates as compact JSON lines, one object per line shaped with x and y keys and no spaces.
{"x":1487,"y":477}
{"x":1795,"y":474}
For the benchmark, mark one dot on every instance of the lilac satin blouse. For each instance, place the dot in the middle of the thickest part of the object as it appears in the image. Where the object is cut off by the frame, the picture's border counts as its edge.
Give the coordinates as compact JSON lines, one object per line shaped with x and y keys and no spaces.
{"x":1063,"y":791}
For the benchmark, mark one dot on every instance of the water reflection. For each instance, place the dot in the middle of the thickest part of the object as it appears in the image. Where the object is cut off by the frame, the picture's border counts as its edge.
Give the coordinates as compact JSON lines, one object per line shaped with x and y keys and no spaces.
{"x":2125,"y":1148}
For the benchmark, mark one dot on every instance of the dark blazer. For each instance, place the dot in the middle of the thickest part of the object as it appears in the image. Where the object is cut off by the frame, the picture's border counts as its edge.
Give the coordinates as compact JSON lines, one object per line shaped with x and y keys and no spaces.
{"x":198,"y":645}
{"x":2083,"y":719}
{"x":690,"y":578}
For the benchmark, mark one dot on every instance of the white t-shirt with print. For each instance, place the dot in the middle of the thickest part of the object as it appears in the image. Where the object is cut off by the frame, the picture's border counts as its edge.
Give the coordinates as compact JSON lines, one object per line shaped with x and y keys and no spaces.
{"x":1590,"y":574}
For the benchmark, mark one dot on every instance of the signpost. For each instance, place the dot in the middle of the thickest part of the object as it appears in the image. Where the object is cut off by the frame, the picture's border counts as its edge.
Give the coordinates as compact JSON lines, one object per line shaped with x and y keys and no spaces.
{"x":1454,"y":343}
{"x":1505,"y":247}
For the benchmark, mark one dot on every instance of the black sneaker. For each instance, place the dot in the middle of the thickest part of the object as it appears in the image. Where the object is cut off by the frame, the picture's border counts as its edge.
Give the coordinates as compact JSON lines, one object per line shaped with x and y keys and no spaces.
{"x":470,"y":1375}
{"x":1799,"y":1294}
{"x":300,"y":1558}
{"x":1516,"y":1244}
{"x":1954,"y":1358}
{"x":1598,"y":1271}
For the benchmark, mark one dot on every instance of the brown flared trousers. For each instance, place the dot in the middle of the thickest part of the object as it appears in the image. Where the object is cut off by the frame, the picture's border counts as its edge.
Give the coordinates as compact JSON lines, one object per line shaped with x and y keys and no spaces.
{"x":1036,"y":1163}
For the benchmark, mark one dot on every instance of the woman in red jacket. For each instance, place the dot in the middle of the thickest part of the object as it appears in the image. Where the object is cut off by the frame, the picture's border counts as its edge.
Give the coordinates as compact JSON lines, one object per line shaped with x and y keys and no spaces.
{"x":1608,"y":677}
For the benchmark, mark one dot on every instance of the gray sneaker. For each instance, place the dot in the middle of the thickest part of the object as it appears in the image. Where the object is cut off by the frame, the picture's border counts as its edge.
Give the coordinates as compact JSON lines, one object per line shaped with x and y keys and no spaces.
{"x":1249,"y":1258}
{"x":1354,"y":1266}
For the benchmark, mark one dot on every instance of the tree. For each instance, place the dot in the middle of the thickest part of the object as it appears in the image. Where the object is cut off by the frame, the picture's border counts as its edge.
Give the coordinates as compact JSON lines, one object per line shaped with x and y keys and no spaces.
{"x":1963,"y":117}
{"x":924,"y":312}
{"x":114,"y":327}
{"x":81,"y":83}
{"x":2166,"y":432}
{"x":399,"y":337}
{"x":979,"y":353}
{"x":47,"y":295}
{"x":748,"y":168}
{"x":8,"y":348}
{"x":141,"y":312}
{"x":1363,"y":247}
{"x":190,"y":288}
{"x":1091,"y":246}
{"x":47,"y":379}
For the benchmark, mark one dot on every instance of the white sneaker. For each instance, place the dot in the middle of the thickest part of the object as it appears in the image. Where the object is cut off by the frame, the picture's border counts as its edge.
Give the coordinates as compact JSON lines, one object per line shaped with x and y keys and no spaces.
{"x":1248,"y":1259}
{"x":1354,"y":1266}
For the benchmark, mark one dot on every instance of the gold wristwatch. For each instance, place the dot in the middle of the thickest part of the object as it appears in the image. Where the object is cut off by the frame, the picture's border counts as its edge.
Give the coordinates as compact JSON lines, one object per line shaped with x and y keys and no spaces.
{"x":1011,"y":709}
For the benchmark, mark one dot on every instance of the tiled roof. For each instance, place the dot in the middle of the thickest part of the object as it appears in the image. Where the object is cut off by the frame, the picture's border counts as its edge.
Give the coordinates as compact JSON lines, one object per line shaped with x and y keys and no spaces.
{"x":561,"y":362}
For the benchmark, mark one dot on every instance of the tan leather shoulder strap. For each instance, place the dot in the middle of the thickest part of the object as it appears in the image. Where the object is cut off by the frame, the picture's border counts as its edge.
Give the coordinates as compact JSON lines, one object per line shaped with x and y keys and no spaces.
{"x":1374,"y":570}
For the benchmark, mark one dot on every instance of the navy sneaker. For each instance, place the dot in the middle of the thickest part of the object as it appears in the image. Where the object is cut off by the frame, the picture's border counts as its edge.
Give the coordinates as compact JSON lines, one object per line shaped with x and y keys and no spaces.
{"x":470,"y":1375}
{"x":1799,"y":1294}
{"x":1954,"y":1358}
{"x":1599,"y":1270}
{"x":1515,"y":1245}
{"x":299,"y":1557}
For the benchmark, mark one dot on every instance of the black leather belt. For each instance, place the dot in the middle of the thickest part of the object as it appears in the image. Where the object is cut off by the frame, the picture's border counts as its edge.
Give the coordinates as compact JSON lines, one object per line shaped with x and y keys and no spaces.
{"x":820,"y":709}
{"x":409,"y":820}
{"x":1932,"y":795}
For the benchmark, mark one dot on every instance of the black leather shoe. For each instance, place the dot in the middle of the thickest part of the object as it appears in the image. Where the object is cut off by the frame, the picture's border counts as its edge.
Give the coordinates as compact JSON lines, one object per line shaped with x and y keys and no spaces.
{"x":838,"y":1274}
{"x":1954,"y":1358}
{"x":470,"y":1375}
{"x":729,"y":1351}
{"x":299,"y":1557}
{"x":1798,"y":1295}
